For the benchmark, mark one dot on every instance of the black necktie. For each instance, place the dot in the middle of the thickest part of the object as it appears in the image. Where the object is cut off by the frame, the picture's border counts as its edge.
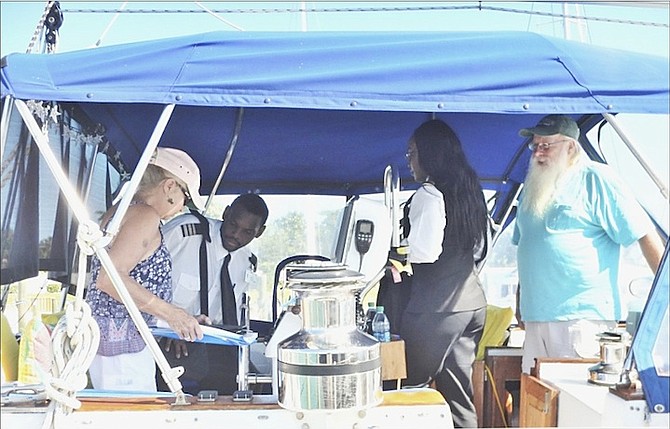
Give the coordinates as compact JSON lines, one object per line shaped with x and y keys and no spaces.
{"x":228,"y":305}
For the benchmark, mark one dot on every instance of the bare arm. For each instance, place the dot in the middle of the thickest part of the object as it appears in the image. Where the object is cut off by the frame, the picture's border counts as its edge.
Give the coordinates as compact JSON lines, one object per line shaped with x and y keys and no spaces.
{"x":138,"y":237}
{"x":652,"y":249}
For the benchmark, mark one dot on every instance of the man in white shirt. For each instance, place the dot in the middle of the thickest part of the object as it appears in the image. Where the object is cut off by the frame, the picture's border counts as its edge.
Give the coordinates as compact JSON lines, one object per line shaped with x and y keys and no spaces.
{"x":199,"y":248}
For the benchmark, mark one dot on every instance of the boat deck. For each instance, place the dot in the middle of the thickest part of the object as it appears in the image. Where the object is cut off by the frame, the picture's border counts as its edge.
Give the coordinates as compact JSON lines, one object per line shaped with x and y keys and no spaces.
{"x":399,"y":409}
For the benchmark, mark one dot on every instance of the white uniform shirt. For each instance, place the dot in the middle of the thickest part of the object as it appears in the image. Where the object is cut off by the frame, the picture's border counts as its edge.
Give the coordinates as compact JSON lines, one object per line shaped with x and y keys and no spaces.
{"x":185,"y":251}
{"x":427,"y":219}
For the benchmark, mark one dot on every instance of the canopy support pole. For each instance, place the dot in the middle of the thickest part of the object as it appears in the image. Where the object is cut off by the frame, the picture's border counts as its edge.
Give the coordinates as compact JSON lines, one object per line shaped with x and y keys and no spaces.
{"x":87,"y":192}
{"x":4,"y":123}
{"x":229,"y":155}
{"x":98,"y":241}
{"x":391,"y":198}
{"x":497,"y":225}
{"x":638,"y":156}
{"x":159,"y":129}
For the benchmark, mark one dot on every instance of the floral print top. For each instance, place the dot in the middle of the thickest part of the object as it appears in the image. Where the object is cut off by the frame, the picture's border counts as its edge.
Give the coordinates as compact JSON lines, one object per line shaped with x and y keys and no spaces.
{"x":118,"y":333}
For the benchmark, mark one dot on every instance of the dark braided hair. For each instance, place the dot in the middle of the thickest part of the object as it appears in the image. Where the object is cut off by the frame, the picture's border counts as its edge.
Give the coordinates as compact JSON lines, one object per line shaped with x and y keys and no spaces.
{"x":441,"y":156}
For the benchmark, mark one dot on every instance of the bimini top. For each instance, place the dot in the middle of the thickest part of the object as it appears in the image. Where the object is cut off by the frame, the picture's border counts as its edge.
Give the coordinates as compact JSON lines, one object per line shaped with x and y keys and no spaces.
{"x":317,"y":100}
{"x":452,"y":72}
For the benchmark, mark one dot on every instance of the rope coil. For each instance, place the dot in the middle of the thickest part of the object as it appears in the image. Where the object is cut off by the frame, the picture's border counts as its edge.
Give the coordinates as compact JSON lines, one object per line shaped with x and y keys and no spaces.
{"x":75,"y":341}
{"x":75,"y":338}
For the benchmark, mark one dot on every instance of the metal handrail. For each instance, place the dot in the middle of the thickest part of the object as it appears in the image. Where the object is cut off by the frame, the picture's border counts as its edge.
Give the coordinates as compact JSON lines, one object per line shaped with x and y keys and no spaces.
{"x":391,"y":198}
{"x":638,"y":156}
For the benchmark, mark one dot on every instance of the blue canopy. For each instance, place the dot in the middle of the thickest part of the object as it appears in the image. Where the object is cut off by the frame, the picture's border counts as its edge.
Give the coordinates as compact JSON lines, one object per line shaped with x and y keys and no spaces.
{"x":321,"y":112}
{"x":326,"y":112}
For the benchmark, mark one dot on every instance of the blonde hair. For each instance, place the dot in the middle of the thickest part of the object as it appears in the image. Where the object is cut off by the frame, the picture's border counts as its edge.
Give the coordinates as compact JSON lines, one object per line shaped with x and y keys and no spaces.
{"x":152,"y":177}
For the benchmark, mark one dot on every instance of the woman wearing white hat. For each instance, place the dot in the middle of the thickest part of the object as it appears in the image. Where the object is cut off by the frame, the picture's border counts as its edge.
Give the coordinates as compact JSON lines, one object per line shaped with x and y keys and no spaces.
{"x":123,"y":362}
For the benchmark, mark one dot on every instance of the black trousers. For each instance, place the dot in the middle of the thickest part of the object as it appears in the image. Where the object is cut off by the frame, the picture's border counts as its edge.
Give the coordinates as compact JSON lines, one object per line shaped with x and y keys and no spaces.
{"x":442,"y":347}
{"x":207,"y":367}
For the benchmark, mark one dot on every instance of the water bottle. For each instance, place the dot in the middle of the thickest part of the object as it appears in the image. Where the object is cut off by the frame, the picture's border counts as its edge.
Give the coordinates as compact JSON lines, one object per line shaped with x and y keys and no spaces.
{"x":381,"y":327}
{"x":369,"y":316}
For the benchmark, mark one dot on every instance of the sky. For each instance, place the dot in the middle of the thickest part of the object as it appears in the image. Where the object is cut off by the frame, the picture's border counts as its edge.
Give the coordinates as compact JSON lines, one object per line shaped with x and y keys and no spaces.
{"x":85,"y":24}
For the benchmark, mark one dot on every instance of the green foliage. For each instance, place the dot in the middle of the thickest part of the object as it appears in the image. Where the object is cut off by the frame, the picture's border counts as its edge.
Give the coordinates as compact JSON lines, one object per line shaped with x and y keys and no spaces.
{"x":45,"y":247}
{"x":284,"y":237}
{"x":6,"y":244}
{"x":54,"y":287}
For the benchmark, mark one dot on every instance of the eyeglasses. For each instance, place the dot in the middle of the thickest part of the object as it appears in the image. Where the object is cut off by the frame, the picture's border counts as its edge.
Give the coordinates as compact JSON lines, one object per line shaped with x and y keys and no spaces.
{"x":410,"y":153}
{"x":543,"y":146}
{"x":187,"y":196}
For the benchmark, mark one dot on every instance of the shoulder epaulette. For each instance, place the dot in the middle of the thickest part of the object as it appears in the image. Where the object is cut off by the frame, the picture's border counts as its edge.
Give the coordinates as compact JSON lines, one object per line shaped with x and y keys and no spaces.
{"x":204,"y":225}
{"x":190,"y":229}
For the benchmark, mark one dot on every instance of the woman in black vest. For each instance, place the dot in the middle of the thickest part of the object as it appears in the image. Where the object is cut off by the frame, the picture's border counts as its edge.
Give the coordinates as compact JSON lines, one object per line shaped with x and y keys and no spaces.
{"x":447,"y":220}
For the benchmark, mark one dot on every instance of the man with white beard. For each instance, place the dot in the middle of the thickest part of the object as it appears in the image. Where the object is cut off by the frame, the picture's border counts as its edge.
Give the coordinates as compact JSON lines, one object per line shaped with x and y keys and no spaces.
{"x":574,"y":215}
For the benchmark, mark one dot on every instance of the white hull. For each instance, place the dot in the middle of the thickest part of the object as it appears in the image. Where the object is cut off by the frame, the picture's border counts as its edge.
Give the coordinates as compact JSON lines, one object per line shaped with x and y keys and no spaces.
{"x":261,"y":413}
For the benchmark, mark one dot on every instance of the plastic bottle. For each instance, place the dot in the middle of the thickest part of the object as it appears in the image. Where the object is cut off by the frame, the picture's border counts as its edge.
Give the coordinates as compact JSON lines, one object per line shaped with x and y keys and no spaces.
{"x":381,"y":327}
{"x":35,"y":356}
{"x":9,"y":356}
{"x":369,"y":315}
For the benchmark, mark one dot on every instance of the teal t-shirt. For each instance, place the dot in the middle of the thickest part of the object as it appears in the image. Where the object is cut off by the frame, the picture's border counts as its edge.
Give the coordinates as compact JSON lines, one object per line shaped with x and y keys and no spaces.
{"x":569,"y":261}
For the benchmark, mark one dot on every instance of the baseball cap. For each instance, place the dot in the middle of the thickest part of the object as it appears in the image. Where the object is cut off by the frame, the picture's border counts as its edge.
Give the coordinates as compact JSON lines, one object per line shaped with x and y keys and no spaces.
{"x":182,"y":167}
{"x":553,"y":124}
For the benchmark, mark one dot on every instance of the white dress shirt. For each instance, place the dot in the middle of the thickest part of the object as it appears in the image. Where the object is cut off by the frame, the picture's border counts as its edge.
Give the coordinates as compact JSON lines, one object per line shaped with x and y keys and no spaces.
{"x":427,"y":218}
{"x":185,"y":251}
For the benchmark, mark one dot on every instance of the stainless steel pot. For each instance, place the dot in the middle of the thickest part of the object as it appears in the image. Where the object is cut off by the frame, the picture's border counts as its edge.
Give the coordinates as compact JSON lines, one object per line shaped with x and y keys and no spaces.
{"x":329,"y":364}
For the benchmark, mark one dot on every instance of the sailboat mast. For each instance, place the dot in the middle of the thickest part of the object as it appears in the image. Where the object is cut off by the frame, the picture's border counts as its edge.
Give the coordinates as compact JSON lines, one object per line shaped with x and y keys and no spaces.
{"x":573,"y":18}
{"x":303,"y":16}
